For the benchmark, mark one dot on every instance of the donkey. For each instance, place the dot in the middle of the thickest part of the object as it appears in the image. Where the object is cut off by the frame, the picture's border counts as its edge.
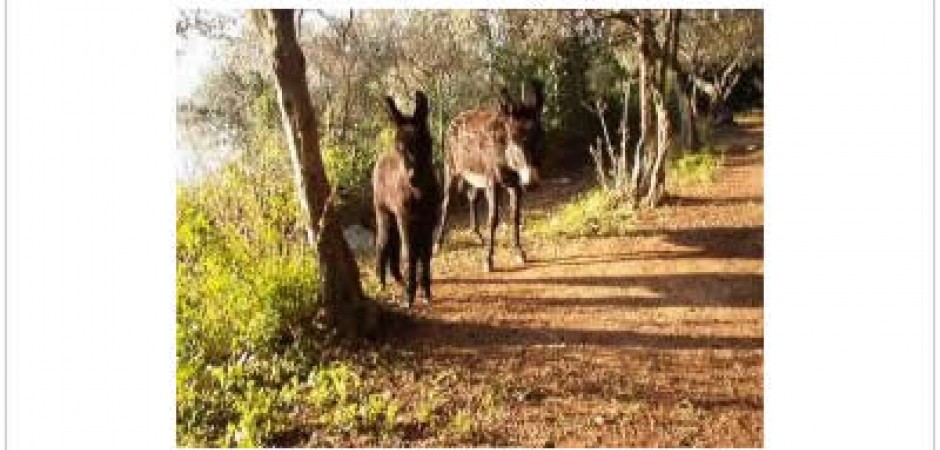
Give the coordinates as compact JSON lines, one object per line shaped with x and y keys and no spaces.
{"x":486,"y":149}
{"x":407,"y":197}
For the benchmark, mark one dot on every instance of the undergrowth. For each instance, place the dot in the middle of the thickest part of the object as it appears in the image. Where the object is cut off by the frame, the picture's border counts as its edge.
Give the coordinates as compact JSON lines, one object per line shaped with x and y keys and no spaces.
{"x":255,"y":367}
{"x":696,"y":168}
{"x":594,"y":213}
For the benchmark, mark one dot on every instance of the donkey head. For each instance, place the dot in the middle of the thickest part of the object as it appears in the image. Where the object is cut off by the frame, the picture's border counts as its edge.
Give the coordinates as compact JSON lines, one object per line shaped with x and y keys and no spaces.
{"x":523,"y":122}
{"x":412,"y":135}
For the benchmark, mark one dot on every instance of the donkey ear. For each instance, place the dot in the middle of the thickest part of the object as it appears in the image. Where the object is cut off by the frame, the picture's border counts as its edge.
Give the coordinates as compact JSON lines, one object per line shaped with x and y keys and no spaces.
{"x":421,"y":106}
{"x":393,"y":112}
{"x":537,"y":98}
{"x":505,"y":101}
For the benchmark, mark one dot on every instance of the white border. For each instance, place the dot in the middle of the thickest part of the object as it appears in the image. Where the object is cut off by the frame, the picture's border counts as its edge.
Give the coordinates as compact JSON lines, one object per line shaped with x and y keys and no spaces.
{"x":848,"y":222}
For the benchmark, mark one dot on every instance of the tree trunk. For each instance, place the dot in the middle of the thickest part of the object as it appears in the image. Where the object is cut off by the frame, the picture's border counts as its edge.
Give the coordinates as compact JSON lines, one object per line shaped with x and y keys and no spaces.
{"x":440,"y":115}
{"x":684,"y":89}
{"x":656,"y":186}
{"x":668,"y":31}
{"x":621,"y":171}
{"x":657,"y":183}
{"x":687,"y":132}
{"x":345,"y":305}
{"x":688,"y":94}
{"x":663,"y":60}
{"x":724,"y":83}
{"x":640,"y":164}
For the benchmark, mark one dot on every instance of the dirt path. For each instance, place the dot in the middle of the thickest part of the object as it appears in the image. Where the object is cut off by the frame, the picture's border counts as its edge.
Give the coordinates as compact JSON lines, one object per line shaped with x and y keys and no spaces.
{"x":650,"y":339}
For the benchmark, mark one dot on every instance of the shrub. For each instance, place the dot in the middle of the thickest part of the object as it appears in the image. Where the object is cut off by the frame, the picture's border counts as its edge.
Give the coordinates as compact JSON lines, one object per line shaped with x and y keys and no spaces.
{"x":349,"y":169}
{"x":246,"y":295}
{"x":251,"y":369}
{"x":692,"y":168}
{"x":594,"y":213}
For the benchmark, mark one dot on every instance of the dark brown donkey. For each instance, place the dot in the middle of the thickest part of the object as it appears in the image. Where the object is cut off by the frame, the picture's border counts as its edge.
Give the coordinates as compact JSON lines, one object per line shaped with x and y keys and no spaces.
{"x":486,"y":149}
{"x":407,"y":199}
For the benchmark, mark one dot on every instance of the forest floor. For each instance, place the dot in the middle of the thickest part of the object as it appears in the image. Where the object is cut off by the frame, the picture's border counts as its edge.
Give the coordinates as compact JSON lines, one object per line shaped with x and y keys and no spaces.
{"x":653,"y":338}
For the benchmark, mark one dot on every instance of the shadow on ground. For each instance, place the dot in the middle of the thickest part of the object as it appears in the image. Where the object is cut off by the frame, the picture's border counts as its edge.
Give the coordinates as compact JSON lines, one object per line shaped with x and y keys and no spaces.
{"x":675,"y":200}
{"x":468,"y":335}
{"x":693,"y":289}
{"x":715,"y":242}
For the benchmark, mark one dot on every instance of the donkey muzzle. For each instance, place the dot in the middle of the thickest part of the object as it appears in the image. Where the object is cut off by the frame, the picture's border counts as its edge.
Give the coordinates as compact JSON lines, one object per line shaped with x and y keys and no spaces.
{"x":529,"y":177}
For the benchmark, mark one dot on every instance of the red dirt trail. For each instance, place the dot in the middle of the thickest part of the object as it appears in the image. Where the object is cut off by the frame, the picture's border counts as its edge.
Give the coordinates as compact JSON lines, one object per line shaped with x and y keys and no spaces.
{"x":654,"y":338}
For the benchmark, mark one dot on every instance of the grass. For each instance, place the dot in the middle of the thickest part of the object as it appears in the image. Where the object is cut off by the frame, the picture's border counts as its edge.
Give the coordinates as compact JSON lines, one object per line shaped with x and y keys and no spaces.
{"x":255,"y":367}
{"x":593,"y":213}
{"x":696,"y":168}
{"x":749,"y":117}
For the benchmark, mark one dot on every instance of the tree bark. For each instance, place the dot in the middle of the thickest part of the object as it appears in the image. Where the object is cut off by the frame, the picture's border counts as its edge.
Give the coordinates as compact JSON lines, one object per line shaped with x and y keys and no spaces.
{"x":440,"y":115}
{"x":639,"y":162}
{"x":624,"y":137}
{"x":664,"y":58}
{"x":656,"y":172}
{"x":688,"y":98}
{"x":685,"y":91}
{"x":657,"y":183}
{"x":346,"y":307}
{"x":649,"y":58}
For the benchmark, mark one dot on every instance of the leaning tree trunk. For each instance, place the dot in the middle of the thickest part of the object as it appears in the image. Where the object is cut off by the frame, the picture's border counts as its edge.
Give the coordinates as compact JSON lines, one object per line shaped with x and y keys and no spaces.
{"x":724,"y":84}
{"x":345,"y":305}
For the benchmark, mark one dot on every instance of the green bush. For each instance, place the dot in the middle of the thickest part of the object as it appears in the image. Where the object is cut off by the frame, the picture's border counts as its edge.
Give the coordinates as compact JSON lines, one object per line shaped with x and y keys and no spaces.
{"x":246,"y":296}
{"x":251,"y":369}
{"x":696,"y":168}
{"x":254,"y":365}
{"x":349,"y":167}
{"x":594,"y":213}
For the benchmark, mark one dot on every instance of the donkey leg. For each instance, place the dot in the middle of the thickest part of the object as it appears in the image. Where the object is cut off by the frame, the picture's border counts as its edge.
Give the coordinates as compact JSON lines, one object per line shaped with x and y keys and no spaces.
{"x":381,"y":245}
{"x":394,"y":251}
{"x":407,"y":249}
{"x":449,"y":184}
{"x":411,"y":285}
{"x":425,"y":261}
{"x":492,"y":200}
{"x":515,"y":206}
{"x":473,"y":196}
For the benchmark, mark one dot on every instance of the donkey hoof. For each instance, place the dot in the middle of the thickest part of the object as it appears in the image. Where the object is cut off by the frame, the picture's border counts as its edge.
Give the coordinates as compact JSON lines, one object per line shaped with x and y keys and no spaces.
{"x":426,"y":302}
{"x":487,"y":266}
{"x":520,"y":258}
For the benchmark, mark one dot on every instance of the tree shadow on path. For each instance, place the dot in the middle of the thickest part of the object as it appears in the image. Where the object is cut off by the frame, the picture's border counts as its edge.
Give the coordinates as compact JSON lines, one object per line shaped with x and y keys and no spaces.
{"x":705,"y":289}
{"x":715,"y":242}
{"x":472,"y":335}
